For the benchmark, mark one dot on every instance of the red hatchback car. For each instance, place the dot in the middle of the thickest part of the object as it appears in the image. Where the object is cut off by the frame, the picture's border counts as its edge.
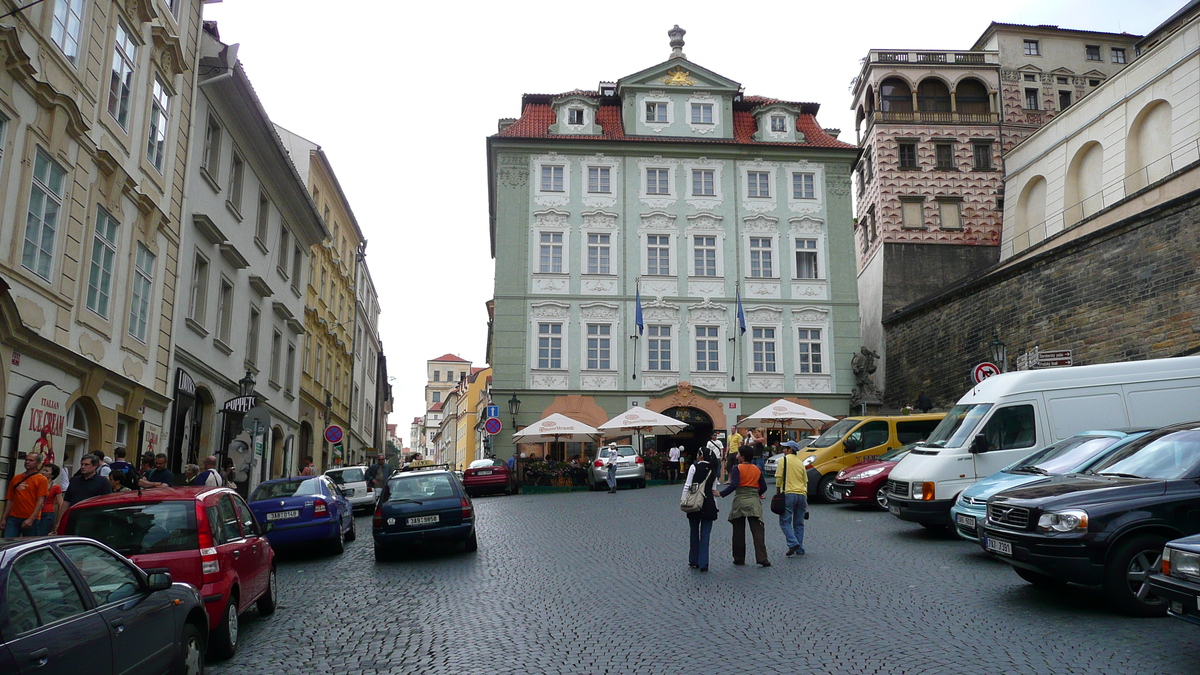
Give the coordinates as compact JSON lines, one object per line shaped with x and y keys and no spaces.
{"x":204,"y":536}
{"x":866,"y":482}
{"x":489,"y":475}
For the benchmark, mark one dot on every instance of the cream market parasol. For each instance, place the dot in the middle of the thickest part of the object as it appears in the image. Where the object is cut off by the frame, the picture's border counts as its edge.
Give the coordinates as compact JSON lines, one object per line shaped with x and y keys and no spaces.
{"x":555,"y":428}
{"x":784,"y":414}
{"x":641,"y":421}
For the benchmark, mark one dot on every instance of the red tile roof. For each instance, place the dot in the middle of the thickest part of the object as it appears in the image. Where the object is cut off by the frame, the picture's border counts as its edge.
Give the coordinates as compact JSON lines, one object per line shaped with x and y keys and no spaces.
{"x":450,"y":357}
{"x":537,"y":116}
{"x":437,"y":407}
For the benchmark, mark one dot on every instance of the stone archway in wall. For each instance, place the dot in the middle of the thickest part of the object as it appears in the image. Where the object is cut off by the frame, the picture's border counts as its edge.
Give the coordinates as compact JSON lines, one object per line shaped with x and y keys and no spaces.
{"x":685,"y":396}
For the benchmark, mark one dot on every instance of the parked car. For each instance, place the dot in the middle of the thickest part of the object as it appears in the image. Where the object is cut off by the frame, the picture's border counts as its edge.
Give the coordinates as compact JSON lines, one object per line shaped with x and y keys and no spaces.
{"x":1106,"y":527}
{"x":352,"y":481}
{"x":1179,"y":579}
{"x":63,"y":597}
{"x":1072,"y":455}
{"x":859,"y":439}
{"x":420,"y":508}
{"x":303,"y":510}
{"x":772,"y":462}
{"x":489,"y":475}
{"x":631,"y":468}
{"x":204,"y":536}
{"x":867,"y":481}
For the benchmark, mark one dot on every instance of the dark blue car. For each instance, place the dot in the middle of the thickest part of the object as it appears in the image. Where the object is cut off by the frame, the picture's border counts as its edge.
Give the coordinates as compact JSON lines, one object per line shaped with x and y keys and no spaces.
{"x":63,"y":599}
{"x":423,"y":507}
{"x":304,"y":510}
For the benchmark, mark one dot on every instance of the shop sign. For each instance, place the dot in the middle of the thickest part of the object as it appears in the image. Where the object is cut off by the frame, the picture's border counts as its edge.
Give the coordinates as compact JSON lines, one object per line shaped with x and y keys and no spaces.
{"x":44,"y":422}
{"x":151,"y":436}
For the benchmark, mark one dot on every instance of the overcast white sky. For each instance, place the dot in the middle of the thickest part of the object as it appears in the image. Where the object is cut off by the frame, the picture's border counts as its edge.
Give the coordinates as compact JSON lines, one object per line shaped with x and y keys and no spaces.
{"x":401,"y":96}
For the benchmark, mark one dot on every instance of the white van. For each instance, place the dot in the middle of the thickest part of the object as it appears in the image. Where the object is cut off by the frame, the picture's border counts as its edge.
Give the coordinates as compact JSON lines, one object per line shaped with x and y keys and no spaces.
{"x":1011,"y":415}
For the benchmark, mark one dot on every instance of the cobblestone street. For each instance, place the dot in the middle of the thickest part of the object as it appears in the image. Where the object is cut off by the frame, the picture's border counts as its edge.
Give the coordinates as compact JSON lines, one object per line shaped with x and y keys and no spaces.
{"x":598,"y":583}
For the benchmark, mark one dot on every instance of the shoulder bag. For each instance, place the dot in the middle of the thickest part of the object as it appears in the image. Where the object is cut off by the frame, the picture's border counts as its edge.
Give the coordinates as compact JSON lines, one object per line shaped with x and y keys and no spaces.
{"x":693,"y":501}
{"x":777,"y":500}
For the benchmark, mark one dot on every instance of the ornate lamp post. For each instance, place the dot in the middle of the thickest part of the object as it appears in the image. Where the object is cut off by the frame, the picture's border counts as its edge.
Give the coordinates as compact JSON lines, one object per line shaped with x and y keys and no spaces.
{"x":514,"y":408}
{"x":999,"y":353}
{"x":246,"y":385}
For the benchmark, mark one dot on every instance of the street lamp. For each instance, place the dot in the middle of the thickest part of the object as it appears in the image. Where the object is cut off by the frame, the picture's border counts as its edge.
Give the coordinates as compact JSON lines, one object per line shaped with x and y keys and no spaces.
{"x":999,"y":353}
{"x":514,"y":407}
{"x":246,"y":385}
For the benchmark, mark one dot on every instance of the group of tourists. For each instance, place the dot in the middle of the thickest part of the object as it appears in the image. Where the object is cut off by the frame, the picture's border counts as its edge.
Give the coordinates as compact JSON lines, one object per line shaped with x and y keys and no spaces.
{"x":745,"y":480}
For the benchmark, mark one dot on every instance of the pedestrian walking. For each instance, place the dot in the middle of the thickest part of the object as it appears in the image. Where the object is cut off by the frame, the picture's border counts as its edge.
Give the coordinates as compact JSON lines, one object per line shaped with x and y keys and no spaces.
{"x":129,"y":470}
{"x":104,"y":467}
{"x":378,"y":473}
{"x":791,"y":478}
{"x":733,"y":446}
{"x":86,"y":483}
{"x":25,"y":498}
{"x":703,"y":472}
{"x":612,"y":468}
{"x":924,"y":403}
{"x":714,"y":446}
{"x":209,"y":476}
{"x":750,"y":486}
{"x":54,"y":499}
{"x":673,"y":463}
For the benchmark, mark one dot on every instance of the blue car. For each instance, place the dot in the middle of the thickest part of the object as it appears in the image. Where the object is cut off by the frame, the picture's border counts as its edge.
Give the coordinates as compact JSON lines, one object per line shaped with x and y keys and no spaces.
{"x":423,"y":507}
{"x":304,"y":510}
{"x":1070,"y":455}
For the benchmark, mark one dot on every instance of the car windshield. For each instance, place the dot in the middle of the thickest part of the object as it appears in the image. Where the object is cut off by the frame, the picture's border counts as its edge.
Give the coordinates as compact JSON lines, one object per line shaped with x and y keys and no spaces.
{"x":289,"y":488}
{"x":418,"y":488}
{"x":1168,"y":457}
{"x":484,"y":463}
{"x":343,"y":476}
{"x":132,"y":529}
{"x":834,"y":433}
{"x":1064,"y":456}
{"x":956,"y":427}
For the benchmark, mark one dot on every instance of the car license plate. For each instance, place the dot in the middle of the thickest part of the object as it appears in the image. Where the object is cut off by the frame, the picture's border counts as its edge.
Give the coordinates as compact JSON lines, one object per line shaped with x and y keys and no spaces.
{"x":966,"y":521}
{"x":894,"y":509}
{"x":1001,"y":547}
{"x":422,"y":520}
{"x":283,"y":515}
{"x":483,"y":473}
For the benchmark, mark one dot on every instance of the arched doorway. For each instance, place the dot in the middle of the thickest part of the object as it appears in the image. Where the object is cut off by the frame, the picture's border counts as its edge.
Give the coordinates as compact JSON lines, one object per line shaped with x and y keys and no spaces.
{"x":305,"y":445}
{"x":78,"y":443}
{"x":276,"y":452}
{"x":694,"y":437}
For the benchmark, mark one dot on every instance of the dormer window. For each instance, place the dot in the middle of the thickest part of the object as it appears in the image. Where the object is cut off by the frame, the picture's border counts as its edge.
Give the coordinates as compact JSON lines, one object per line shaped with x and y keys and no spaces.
{"x":574,"y":115}
{"x":778,"y":123}
{"x":702,"y":113}
{"x":656,"y":112}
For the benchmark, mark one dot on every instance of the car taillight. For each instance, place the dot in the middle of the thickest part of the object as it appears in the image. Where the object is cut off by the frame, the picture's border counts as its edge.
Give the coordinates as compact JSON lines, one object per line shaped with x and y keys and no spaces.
{"x":210,"y":563}
{"x":639,"y":460}
{"x":467,"y":511}
{"x":319,"y":508}
{"x":377,"y":519}
{"x":598,"y":464}
{"x":469,"y":472}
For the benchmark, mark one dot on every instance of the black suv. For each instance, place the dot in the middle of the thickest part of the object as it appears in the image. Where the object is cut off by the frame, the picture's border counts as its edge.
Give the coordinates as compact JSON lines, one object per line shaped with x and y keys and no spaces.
{"x":1105,"y":527}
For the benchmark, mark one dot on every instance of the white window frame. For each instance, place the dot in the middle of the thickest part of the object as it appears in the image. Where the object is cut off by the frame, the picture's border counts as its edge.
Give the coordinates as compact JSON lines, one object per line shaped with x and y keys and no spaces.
{"x":198,"y":299}
{"x":573,"y":112}
{"x":598,"y":346}
{"x":276,"y":356}
{"x":662,"y":111}
{"x":779,"y":123}
{"x":555,"y":343}
{"x":662,"y":178}
{"x":142,"y":293}
{"x":226,"y":299}
{"x":714,"y":339}
{"x":714,"y":247}
{"x":41,"y":228}
{"x":547,"y":244}
{"x":659,"y":245}
{"x":212,"y":147}
{"x":804,"y":185}
{"x":253,"y":328}
{"x":160,"y":118}
{"x":751,"y":249}
{"x":655,"y":340}
{"x":67,"y":27}
{"x":1037,"y":48}
{"x":121,"y":71}
{"x":708,"y":179}
{"x":822,"y":343}
{"x":701,"y":109}
{"x":756,"y":181}
{"x":764,"y":349}
{"x":814,"y":251}
{"x":602,"y":182}
{"x":1114,"y":52}
{"x":605,"y":247}
{"x":237,"y":179}
{"x":103,"y":262}
{"x":552,"y":175}
{"x":290,"y":384}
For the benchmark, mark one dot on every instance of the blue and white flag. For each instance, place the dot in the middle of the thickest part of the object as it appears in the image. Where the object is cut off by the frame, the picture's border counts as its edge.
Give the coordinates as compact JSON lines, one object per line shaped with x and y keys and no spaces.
{"x":637,"y":312}
{"x":741,"y":316}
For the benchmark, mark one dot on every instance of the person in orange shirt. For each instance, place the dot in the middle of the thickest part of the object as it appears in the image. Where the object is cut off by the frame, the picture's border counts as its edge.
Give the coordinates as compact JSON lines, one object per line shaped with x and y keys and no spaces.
{"x":750,"y":485}
{"x":25,"y":499}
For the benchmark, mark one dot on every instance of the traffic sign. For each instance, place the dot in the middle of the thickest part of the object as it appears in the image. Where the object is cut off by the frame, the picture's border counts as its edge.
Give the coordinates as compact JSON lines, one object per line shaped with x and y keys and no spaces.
{"x":256,"y":420}
{"x":1058,"y":357}
{"x":333,"y":433}
{"x":492,"y":411}
{"x":492,"y":426}
{"x":983,"y":371}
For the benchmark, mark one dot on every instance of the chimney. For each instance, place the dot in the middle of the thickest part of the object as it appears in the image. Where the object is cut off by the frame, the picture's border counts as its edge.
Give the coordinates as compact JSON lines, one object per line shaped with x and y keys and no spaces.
{"x":504,"y":123}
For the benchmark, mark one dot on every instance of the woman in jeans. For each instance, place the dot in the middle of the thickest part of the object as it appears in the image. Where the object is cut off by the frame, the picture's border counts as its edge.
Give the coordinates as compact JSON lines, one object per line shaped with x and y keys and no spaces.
{"x":703,"y":472}
{"x":54,"y":500}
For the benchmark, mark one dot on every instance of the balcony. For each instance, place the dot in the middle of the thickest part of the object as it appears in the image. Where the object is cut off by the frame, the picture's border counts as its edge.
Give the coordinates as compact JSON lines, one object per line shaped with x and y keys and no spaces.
{"x":935,"y":58}
{"x":933,"y":117}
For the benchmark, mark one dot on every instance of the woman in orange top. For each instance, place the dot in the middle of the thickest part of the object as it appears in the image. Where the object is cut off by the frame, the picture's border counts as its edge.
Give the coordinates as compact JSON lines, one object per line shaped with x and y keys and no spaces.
{"x":750,"y":485}
{"x":54,"y":500}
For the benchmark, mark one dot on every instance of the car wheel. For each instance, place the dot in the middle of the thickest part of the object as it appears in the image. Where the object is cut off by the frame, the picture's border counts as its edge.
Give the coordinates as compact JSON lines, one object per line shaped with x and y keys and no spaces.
{"x":191,"y":652}
{"x":826,"y":491}
{"x":352,"y":533}
{"x":471,"y":544}
{"x":224,"y":639}
{"x":1127,"y":576}
{"x":881,"y":497}
{"x":337,"y":545}
{"x":1038,"y":579}
{"x":266,"y":602}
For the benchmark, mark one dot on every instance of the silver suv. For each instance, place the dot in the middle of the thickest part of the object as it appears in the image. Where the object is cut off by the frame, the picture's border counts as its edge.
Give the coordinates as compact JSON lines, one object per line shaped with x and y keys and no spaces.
{"x":631,"y":468}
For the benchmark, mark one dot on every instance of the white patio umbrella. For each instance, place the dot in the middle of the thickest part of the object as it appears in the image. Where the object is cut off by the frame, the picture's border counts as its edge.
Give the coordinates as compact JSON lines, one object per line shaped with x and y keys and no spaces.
{"x":555,"y":428}
{"x":784,"y":414}
{"x":641,"y":421}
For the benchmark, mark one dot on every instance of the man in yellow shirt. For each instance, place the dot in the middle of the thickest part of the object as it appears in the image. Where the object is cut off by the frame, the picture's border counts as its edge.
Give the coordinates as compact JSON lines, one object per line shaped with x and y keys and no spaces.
{"x":792,"y":479}
{"x":734,"y":442}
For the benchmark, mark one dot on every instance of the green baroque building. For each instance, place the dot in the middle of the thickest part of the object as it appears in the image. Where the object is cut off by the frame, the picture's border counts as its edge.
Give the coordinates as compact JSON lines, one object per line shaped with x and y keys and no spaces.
{"x":673,"y":186}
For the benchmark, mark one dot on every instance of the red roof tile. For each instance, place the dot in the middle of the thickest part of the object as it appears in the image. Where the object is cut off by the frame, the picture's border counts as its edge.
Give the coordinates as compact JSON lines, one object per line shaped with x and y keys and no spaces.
{"x":450,"y":357}
{"x":537,"y":117}
{"x":437,"y":407}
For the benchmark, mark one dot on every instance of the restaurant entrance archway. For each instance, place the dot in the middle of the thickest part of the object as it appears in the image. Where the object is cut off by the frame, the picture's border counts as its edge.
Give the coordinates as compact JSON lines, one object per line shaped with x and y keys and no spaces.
{"x":694,"y":437}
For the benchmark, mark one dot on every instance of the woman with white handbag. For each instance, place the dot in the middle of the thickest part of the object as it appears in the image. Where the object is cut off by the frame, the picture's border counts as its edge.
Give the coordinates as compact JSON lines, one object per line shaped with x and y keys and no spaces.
{"x":701,"y":507}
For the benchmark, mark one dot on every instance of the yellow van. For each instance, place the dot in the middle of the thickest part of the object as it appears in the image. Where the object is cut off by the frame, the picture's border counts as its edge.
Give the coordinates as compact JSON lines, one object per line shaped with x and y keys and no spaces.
{"x":859,"y":439}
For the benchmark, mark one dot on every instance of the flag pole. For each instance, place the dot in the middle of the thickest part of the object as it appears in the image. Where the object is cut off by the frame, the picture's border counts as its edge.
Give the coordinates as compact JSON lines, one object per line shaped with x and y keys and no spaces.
{"x":638,"y":323}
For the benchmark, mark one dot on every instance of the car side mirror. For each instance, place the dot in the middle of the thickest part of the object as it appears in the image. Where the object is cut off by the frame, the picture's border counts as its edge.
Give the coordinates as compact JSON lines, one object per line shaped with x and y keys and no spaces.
{"x":158,"y":579}
{"x":979,"y":445}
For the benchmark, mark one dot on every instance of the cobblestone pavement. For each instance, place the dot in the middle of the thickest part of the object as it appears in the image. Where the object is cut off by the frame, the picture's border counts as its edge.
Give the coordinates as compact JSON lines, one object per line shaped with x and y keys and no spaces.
{"x":598,"y":583}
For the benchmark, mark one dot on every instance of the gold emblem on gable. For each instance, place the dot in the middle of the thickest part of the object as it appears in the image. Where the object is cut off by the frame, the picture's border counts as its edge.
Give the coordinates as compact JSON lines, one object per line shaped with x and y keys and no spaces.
{"x":678,"y":78}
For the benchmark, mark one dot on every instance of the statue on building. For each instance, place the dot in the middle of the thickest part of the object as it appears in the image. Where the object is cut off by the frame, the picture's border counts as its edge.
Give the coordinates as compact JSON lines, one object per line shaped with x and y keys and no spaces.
{"x":863,"y":366}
